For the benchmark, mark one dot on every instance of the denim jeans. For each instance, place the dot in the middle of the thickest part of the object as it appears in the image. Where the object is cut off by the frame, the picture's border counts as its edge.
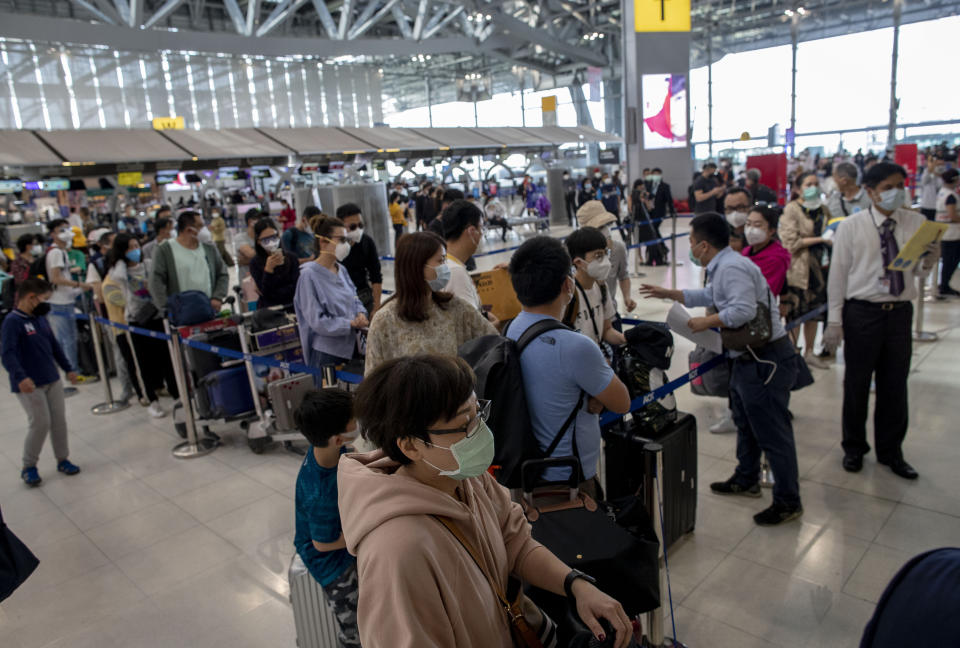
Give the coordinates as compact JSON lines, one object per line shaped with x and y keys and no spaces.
{"x":64,"y":329}
{"x":319,"y":359}
{"x":761,"y":414}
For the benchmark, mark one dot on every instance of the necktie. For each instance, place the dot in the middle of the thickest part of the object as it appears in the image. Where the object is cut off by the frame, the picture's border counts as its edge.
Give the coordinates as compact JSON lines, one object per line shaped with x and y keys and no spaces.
{"x":890,"y":249}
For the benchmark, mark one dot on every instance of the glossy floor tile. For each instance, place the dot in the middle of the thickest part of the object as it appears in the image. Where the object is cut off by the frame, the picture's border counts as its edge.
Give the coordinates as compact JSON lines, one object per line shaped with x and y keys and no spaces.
{"x":142,"y":550}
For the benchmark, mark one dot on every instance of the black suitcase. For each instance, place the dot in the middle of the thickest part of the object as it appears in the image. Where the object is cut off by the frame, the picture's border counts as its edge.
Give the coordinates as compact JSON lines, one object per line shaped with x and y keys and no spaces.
{"x":202,"y":363}
{"x":624,"y":455}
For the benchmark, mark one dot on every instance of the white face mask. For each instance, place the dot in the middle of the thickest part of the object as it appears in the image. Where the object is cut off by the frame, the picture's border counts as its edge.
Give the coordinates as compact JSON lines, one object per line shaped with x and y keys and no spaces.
{"x":599,"y":269}
{"x":66,"y":236}
{"x":355,"y":235}
{"x":36,"y":250}
{"x":271,"y":245}
{"x":342,"y":251}
{"x":737,"y":218}
{"x":204,"y":235}
{"x":755,"y":235}
{"x":891,"y":199}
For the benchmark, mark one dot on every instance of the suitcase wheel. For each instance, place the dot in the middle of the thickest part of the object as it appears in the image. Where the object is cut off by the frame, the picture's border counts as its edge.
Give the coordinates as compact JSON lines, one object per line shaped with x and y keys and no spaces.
{"x":258,"y":445}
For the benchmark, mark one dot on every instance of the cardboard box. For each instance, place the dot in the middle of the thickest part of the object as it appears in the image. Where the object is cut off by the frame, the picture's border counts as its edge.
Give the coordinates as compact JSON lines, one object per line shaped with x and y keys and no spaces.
{"x":496,"y":293}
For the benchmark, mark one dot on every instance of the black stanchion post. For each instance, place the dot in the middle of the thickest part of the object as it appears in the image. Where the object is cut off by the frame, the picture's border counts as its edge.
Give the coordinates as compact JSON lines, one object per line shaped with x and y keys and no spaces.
{"x":653,"y":467}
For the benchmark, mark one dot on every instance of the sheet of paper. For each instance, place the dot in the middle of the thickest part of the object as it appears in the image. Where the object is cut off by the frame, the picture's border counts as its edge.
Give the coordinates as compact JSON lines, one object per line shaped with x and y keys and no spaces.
{"x":910,"y":255}
{"x":677,"y":320}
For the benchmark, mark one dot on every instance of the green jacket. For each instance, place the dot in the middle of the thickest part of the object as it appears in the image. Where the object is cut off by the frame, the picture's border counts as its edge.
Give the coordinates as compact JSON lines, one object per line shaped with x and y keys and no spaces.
{"x":163,"y":278}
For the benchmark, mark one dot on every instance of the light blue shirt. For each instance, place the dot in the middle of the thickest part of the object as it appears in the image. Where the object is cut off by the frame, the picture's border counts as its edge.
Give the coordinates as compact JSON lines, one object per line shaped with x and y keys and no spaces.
{"x":735,"y":285}
{"x":556,"y":367}
{"x":326,"y":303}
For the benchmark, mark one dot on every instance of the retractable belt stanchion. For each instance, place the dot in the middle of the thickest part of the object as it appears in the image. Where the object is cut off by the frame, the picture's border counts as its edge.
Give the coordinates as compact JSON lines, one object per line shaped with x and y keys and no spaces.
{"x":919,"y":334}
{"x":653,"y":465}
{"x":192,"y":447}
{"x":109,"y":406}
{"x":136,"y":363}
{"x":673,"y":252}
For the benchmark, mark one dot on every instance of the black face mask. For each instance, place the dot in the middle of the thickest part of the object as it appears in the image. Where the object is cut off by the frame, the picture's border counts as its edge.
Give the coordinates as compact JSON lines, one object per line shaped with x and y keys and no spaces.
{"x":41,"y":309}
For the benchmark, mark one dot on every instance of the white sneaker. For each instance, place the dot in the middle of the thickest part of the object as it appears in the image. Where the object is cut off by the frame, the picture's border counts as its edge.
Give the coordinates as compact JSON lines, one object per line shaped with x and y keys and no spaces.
{"x":155,"y":410}
{"x":815,"y":362}
{"x":724,"y":425}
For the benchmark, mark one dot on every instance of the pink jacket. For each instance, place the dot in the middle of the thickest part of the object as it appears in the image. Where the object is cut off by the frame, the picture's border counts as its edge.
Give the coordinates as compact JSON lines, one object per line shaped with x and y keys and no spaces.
{"x":773,"y":261}
{"x":418,"y":587}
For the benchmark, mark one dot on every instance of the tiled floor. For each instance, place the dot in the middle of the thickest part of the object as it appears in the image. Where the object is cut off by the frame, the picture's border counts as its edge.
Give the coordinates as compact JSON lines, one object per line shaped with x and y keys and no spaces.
{"x":144,"y":550}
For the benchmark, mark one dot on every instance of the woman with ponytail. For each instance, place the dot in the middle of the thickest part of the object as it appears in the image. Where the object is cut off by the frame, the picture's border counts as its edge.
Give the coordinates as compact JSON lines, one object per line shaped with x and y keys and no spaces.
{"x":329,"y":313}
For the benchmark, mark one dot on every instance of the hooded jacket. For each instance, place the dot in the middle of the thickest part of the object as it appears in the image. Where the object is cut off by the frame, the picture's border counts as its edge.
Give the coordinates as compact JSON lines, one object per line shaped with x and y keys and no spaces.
{"x":418,"y":586}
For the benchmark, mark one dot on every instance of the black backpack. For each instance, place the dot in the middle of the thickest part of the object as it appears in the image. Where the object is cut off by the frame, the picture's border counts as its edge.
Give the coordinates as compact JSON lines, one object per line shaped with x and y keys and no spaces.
{"x":496,"y":362}
{"x":38,"y":267}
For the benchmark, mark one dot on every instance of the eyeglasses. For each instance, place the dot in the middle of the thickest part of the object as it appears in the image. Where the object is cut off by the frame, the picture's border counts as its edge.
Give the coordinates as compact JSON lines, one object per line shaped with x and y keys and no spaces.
{"x":472,"y":425}
{"x":733,"y":208}
{"x":334,"y":239}
{"x":354,"y":227}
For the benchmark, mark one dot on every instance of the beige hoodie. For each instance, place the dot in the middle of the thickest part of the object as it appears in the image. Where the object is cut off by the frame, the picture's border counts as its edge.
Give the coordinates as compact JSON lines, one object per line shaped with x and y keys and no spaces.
{"x":418,"y":587}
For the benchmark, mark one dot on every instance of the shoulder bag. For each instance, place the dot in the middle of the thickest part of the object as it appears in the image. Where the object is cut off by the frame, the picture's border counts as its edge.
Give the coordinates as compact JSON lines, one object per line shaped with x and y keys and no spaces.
{"x":16,"y":561}
{"x":753,"y":335}
{"x":530,"y":627}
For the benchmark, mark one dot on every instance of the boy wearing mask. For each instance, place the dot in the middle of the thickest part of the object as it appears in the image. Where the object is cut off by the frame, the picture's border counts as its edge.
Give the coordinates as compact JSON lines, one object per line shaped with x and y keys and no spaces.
{"x":30,"y":355}
{"x":595,"y":311}
{"x":325,"y":418}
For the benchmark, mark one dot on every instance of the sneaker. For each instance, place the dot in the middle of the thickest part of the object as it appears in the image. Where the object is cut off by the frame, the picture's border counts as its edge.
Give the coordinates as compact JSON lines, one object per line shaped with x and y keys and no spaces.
{"x":155,"y":410}
{"x":84,"y":379}
{"x":30,"y":476}
{"x":724,"y":425}
{"x":731,"y":487}
{"x":144,"y":402}
{"x":777,"y":514}
{"x":69,"y":391}
{"x":67,"y":468}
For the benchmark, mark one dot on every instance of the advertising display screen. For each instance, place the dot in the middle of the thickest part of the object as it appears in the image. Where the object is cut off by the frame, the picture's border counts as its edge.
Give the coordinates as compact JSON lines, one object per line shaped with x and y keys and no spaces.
{"x":55,"y":184}
{"x":10,"y":186}
{"x":664,"y":111}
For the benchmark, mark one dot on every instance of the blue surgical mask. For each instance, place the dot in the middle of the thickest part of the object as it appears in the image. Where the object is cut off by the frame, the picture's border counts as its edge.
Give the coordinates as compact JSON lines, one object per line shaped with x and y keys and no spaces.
{"x":134,"y":256}
{"x":694,"y":260}
{"x":443,"y":277}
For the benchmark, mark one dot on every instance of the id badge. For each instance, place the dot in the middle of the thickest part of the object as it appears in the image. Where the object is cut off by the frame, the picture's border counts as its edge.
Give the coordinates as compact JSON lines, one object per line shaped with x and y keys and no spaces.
{"x":883,"y":285}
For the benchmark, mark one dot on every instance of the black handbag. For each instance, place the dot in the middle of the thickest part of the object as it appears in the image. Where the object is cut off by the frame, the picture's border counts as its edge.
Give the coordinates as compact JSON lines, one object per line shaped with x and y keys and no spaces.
{"x":754,"y":334}
{"x":16,"y":561}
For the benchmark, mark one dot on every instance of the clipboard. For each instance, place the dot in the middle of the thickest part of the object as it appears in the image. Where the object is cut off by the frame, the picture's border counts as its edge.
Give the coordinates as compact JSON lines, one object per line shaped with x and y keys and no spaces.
{"x":913,"y":251}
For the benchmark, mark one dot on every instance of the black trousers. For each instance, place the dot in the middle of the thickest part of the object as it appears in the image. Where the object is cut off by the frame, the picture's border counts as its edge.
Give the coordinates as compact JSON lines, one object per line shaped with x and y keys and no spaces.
{"x":155,"y":363}
{"x":877,"y":342}
{"x":950,"y":251}
{"x":931,"y":214}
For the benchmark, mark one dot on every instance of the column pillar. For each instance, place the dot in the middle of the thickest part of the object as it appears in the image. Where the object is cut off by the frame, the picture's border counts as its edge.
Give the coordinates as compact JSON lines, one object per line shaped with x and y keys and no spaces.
{"x":656,"y":41}
{"x":894,"y":103}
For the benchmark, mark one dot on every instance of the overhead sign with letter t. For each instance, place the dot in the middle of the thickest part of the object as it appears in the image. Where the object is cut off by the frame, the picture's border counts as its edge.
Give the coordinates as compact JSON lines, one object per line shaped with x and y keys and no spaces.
{"x":661,"y":15}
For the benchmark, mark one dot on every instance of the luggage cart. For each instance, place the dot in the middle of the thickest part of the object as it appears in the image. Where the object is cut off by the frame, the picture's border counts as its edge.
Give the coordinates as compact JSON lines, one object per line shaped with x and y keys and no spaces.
{"x":281,"y":341}
{"x":230,"y":402}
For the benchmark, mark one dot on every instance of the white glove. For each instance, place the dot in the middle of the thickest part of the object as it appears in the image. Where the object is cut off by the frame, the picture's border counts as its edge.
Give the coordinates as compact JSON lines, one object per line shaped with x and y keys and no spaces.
{"x":832,"y":337}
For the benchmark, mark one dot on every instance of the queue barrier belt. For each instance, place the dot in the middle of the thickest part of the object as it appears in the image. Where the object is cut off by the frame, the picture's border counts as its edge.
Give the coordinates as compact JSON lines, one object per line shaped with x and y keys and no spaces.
{"x":637,"y":404}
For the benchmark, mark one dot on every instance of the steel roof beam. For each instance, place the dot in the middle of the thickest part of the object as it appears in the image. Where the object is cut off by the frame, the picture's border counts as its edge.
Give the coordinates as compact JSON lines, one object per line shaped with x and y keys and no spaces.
{"x":431,"y":31}
{"x":362,"y":26}
{"x":233,"y":10}
{"x":345,"y":9}
{"x":87,"y":6}
{"x":521,"y":32}
{"x":283,"y":11}
{"x":320,"y":6}
{"x":165,"y":10}
{"x":253,"y":12}
{"x":418,"y":21}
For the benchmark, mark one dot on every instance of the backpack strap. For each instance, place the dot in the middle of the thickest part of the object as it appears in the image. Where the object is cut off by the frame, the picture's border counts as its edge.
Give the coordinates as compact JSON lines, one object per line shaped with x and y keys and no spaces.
{"x":533,"y":332}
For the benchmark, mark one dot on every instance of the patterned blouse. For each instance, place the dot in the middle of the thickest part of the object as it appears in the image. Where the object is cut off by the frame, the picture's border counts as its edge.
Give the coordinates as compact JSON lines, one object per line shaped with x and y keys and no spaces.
{"x":443,"y":332}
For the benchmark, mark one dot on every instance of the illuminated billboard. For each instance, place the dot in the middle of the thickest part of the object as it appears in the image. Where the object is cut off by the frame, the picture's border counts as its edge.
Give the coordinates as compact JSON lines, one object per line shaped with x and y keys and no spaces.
{"x":664,"y":110}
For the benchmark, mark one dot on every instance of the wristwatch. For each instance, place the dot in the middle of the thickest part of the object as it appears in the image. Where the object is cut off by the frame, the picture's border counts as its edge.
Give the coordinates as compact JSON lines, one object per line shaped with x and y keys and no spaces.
{"x":572,"y":576}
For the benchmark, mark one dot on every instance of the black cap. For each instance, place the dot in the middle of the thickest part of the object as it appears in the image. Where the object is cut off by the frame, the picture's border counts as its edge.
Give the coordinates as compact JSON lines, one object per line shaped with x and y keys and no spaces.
{"x":950,"y":175}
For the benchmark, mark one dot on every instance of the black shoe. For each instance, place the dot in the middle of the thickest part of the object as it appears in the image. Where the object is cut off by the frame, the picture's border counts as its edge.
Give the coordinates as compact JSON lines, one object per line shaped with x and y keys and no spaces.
{"x":777,"y":514}
{"x":901,"y":468}
{"x":949,"y":291}
{"x":853,"y":462}
{"x":731,"y":487}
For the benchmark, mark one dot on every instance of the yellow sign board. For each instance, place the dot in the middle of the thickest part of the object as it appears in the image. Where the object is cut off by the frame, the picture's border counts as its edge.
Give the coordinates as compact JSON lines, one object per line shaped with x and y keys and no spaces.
{"x":911,"y":253}
{"x":549,"y":104}
{"x":661,"y":15}
{"x":169,"y":123}
{"x":496,"y":293}
{"x":129,"y":178}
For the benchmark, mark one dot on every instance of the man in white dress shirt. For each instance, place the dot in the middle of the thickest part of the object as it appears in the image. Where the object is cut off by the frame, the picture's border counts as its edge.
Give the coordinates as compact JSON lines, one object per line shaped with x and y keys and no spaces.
{"x":871,"y":311}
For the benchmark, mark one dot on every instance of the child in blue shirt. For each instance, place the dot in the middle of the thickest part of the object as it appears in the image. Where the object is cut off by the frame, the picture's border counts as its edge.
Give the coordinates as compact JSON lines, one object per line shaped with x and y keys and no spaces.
{"x":325,"y":418}
{"x":30,"y":355}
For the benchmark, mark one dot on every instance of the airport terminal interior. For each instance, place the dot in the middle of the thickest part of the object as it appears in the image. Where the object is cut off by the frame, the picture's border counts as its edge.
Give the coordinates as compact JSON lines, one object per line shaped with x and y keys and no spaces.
{"x":267,"y":268}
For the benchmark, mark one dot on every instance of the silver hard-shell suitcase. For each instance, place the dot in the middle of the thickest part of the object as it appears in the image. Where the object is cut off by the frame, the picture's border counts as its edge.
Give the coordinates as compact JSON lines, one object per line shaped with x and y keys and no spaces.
{"x":315,"y":622}
{"x":285,"y":397}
